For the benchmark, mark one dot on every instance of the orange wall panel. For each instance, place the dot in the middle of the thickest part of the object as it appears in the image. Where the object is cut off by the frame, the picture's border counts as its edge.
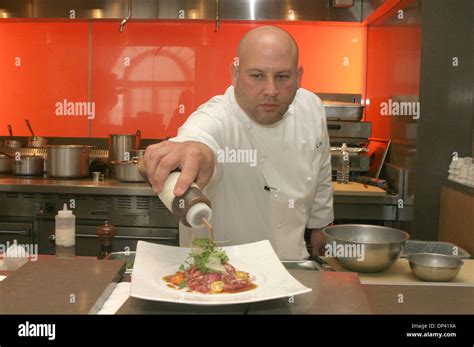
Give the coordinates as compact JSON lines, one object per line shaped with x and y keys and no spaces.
{"x":393,"y":60}
{"x":42,"y":64}
{"x":153,"y":75}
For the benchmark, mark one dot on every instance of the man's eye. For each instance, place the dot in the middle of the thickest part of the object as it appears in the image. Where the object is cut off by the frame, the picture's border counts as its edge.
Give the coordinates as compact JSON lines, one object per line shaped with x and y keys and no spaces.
{"x":257,"y":76}
{"x":283,"y":77}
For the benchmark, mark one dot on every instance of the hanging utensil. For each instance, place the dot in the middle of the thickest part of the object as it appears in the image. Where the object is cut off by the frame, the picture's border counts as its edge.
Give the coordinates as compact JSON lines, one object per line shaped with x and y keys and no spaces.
{"x":35,"y":141}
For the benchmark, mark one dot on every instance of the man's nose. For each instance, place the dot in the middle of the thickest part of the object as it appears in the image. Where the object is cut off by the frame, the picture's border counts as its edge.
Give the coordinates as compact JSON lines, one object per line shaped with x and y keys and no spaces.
{"x":270,"y":88}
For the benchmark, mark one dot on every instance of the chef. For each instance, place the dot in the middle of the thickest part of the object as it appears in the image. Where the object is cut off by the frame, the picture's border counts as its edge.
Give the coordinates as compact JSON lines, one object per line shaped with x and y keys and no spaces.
{"x":261,"y":151}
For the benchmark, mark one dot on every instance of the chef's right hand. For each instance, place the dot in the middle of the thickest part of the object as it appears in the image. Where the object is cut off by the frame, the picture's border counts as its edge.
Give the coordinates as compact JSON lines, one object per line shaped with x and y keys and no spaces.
{"x":194,"y":159}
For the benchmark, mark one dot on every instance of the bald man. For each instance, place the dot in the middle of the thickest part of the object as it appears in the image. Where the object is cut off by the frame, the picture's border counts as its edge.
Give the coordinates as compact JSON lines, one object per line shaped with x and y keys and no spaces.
{"x":261,"y":152}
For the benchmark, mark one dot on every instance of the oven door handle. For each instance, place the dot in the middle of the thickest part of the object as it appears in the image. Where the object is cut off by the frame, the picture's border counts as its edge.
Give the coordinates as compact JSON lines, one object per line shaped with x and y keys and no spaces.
{"x":132,"y":237}
{"x":334,"y":126}
{"x":15,"y":232}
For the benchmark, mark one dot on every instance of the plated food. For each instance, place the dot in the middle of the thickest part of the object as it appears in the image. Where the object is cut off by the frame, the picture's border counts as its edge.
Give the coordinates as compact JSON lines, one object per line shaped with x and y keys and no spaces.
{"x":207,"y":270}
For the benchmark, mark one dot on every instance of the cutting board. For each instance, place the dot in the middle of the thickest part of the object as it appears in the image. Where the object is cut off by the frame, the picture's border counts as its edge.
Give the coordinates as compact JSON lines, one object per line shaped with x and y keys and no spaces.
{"x":59,"y":286}
{"x":355,"y":188}
{"x":400,"y":274}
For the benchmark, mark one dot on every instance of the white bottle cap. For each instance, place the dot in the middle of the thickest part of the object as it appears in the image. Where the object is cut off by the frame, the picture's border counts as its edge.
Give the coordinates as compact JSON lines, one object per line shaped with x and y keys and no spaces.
{"x":196,"y":213}
{"x":64,"y":212}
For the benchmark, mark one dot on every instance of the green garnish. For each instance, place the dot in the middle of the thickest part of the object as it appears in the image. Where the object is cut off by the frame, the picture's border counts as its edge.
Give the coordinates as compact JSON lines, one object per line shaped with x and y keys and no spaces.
{"x":206,"y":257}
{"x":183,"y":284}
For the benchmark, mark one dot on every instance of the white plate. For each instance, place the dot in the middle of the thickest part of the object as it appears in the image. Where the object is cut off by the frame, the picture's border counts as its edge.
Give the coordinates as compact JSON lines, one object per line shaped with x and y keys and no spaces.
{"x":153,"y":262}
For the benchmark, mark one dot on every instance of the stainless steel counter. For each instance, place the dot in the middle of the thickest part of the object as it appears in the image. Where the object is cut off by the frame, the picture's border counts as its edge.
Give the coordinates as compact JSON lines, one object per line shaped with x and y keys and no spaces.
{"x":18,"y":184}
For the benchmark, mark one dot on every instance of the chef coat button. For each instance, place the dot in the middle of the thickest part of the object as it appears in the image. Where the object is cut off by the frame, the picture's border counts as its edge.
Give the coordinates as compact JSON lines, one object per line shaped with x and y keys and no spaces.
{"x":275,"y":196}
{"x":279,"y":225}
{"x":303,"y":210}
{"x":309,"y":178}
{"x":303,"y":142}
{"x":248,"y":126}
{"x":262,"y":161}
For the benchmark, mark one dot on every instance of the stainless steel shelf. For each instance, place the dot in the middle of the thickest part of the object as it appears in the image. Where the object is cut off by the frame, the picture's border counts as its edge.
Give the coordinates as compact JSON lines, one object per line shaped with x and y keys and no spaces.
{"x":79,"y":186}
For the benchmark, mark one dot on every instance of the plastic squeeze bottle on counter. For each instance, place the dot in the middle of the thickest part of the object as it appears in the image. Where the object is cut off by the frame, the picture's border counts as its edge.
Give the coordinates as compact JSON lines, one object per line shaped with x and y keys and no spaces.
{"x":193,"y":208}
{"x":65,"y":233}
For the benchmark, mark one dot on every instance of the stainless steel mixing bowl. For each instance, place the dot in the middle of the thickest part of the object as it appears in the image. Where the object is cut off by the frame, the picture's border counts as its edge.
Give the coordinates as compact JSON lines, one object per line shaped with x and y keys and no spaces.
{"x":432,"y":267}
{"x":364,"y":248}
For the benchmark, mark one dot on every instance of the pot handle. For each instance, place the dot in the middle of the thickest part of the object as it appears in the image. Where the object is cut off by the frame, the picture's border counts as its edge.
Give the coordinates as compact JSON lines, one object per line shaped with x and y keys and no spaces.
{"x":29,"y":127}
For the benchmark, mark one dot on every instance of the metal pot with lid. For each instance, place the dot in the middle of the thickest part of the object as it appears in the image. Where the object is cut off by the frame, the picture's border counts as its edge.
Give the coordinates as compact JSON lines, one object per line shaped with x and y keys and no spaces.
{"x":68,"y":161}
{"x":128,"y":171}
{"x":25,"y":165}
{"x":28,"y":165}
{"x":121,"y":144}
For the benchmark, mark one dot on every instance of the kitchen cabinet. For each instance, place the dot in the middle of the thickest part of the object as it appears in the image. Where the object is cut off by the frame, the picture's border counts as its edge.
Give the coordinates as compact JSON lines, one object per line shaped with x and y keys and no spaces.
{"x":456,"y":215}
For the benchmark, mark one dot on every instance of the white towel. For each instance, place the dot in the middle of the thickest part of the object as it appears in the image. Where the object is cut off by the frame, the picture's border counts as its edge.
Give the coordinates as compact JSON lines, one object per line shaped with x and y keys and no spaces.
{"x":116,"y":299}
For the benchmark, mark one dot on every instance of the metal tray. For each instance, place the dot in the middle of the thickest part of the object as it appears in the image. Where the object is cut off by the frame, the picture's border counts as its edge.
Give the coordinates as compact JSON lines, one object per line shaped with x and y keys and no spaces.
{"x":343,"y":111}
{"x":301,"y":265}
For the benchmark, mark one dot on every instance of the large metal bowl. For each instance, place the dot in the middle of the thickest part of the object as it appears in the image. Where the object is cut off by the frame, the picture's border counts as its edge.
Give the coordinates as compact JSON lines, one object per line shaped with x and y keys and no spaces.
{"x":364,"y":248}
{"x":432,"y":267}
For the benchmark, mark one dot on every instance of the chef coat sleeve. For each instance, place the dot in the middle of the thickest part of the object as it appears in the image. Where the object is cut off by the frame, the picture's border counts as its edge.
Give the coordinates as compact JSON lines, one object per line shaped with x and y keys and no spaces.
{"x":322,"y":212}
{"x":205,"y":127}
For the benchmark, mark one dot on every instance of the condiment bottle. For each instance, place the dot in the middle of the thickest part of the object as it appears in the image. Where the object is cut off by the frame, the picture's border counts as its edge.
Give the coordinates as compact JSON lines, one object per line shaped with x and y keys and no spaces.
{"x":65,"y":233}
{"x":191,"y":207}
{"x":343,"y":166}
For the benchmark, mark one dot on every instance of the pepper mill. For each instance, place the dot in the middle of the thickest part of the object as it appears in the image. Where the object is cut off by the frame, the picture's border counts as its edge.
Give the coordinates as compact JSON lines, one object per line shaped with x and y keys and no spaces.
{"x":106,"y":235}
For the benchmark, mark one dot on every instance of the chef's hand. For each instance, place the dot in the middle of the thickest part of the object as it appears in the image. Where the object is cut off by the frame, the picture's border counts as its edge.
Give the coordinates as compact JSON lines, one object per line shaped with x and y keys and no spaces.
{"x":195,"y":159}
{"x":318,"y":241}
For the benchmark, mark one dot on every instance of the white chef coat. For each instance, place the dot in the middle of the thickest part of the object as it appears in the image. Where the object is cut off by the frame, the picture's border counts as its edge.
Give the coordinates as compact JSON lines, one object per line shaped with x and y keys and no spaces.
{"x":293,"y":163}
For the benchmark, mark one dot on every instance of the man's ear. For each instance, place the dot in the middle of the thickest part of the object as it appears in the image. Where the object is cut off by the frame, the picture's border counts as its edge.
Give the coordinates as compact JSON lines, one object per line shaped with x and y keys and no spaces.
{"x":234,"y":71}
{"x":299,"y":74}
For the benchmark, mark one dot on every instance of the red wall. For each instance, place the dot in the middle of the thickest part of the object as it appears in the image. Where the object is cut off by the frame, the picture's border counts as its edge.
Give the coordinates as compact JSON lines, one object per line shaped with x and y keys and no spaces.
{"x":171,"y":64}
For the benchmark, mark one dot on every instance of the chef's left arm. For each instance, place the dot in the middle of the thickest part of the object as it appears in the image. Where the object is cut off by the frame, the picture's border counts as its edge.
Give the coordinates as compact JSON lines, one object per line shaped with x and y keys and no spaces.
{"x":322,"y":213}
